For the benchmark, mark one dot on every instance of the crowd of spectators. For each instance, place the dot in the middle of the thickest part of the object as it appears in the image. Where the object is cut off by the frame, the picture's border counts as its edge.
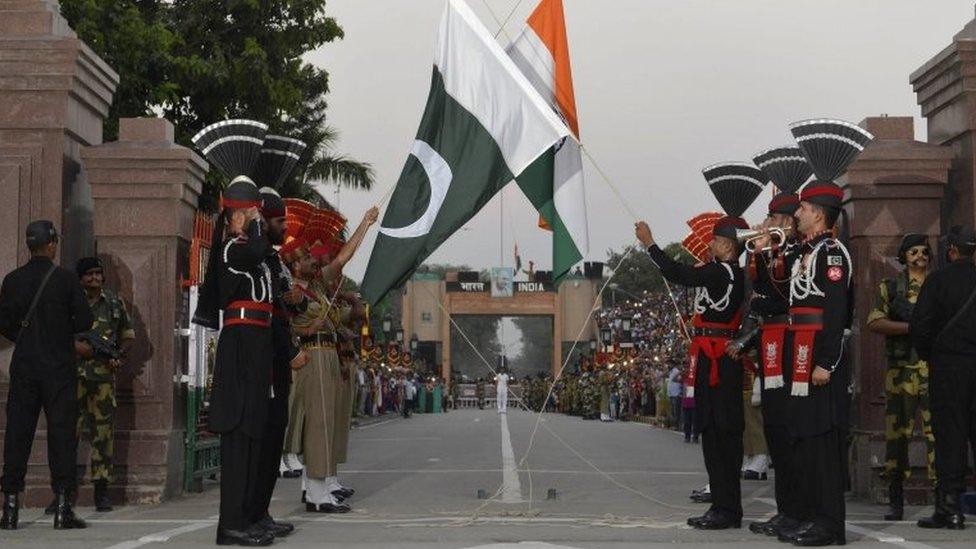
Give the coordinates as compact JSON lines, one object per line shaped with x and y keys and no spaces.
{"x":640,"y":373}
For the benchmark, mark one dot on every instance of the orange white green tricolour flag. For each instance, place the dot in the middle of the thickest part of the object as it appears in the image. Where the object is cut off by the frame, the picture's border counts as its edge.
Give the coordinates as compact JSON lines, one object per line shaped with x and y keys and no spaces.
{"x":541,"y":52}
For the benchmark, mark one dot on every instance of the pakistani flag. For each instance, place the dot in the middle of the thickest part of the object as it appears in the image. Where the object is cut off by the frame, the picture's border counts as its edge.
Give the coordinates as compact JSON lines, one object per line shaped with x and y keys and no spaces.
{"x":484,"y":125}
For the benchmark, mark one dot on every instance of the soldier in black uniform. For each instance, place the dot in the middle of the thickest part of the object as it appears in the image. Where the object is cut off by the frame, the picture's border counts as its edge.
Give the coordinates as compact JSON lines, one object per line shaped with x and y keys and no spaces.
{"x":42,"y":322}
{"x":788,"y":170}
{"x":238,"y":283}
{"x":943,"y":331}
{"x":287,"y":356}
{"x":715,"y":379}
{"x":278,"y":158}
{"x":818,"y":405}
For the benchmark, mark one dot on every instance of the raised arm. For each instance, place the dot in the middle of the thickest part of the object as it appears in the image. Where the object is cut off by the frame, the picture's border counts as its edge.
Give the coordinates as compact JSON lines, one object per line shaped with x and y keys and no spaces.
{"x":349,"y":249}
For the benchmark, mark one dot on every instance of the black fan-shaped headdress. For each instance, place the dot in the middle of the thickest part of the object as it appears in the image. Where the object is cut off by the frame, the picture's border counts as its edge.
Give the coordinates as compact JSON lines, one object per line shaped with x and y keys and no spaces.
{"x":830,"y":146}
{"x":232,"y":145}
{"x":736,"y":185}
{"x":786,"y":167}
{"x":279,"y":156}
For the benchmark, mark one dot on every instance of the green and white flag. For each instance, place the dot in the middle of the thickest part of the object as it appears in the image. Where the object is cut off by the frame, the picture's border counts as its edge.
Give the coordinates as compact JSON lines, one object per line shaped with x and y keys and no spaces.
{"x":483,"y":126}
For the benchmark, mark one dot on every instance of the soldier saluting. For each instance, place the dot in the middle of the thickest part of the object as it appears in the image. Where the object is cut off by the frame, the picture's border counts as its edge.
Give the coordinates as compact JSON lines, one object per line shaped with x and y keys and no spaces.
{"x":238,"y":283}
{"x":819,"y":315}
{"x":907,"y":380}
{"x":714,"y":378}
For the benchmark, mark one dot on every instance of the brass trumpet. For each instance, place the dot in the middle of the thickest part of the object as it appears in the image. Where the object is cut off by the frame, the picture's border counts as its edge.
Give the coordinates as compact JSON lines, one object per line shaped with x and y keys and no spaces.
{"x":750,"y":236}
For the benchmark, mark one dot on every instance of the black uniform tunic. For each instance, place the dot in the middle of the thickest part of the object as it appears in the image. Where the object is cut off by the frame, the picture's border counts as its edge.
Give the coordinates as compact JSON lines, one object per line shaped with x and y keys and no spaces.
{"x":42,"y":370}
{"x":951,"y":354}
{"x":770,"y":301}
{"x":284,"y":351}
{"x":818,"y":422}
{"x":242,"y":383}
{"x":718,"y":410}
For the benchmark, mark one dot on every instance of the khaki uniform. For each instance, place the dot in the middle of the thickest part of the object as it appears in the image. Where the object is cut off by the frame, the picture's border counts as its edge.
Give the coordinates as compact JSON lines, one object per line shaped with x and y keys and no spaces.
{"x":312,"y":417}
{"x":96,"y":386}
{"x":906,"y":381}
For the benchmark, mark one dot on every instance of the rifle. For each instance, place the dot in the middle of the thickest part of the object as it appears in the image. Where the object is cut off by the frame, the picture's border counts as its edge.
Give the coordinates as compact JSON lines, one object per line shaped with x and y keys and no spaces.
{"x":103,"y":349}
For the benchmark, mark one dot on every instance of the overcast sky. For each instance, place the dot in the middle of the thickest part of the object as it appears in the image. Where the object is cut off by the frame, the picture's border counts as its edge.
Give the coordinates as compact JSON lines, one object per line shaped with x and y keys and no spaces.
{"x":663,"y":88}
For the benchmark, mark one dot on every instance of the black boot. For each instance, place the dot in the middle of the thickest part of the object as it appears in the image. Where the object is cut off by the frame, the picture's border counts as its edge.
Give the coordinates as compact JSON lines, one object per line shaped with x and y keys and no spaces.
{"x":957,"y":520}
{"x":11,"y":512}
{"x":64,"y":515}
{"x":102,"y":503}
{"x":947,"y":513}
{"x":896,"y":500}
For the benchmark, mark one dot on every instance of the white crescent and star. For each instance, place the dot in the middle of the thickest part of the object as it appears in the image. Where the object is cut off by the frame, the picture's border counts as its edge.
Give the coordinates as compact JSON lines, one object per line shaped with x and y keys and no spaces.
{"x":440,"y":176}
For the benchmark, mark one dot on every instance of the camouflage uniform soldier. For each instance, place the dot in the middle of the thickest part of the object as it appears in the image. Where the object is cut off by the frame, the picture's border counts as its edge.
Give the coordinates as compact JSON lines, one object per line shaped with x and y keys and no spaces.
{"x":907,"y":379}
{"x":480,"y":393}
{"x":96,"y":376}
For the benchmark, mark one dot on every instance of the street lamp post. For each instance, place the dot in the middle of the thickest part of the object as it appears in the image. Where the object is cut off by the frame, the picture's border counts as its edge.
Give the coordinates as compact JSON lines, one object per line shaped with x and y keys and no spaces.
{"x":387,"y":326}
{"x":606,"y":336}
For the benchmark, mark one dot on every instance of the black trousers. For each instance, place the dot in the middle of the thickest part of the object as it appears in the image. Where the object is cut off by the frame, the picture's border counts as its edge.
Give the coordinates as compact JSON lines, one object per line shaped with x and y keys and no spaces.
{"x":240,"y":456}
{"x":33,"y":388}
{"x":779,"y":442}
{"x":820,"y":463}
{"x":952,"y":388}
{"x":688,"y":418}
{"x":723,"y":461}
{"x":269,"y":460}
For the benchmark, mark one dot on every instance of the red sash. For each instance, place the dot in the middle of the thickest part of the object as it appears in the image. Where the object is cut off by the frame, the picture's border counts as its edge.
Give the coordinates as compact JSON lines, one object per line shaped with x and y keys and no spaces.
{"x":773,"y":337}
{"x":713,"y":347}
{"x":804,"y":336}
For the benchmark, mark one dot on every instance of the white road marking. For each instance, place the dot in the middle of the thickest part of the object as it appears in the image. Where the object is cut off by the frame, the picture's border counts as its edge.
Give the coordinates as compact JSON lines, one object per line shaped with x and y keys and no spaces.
{"x":161,"y":537}
{"x":377,"y":423}
{"x":533,"y":471}
{"x":401,"y":439}
{"x":522,"y":545}
{"x":511,"y":485}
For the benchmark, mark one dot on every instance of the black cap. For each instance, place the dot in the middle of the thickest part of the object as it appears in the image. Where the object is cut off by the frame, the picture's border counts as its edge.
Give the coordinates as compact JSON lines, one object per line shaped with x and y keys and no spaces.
{"x":908,"y":242}
{"x":961,"y":237}
{"x":86,"y":264}
{"x":40,"y":232}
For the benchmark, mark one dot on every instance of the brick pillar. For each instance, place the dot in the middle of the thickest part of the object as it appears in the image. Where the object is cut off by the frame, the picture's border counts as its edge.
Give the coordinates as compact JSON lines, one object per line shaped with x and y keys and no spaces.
{"x":54,"y":94}
{"x":895,"y":187}
{"x":945,"y":88}
{"x":145,"y":190}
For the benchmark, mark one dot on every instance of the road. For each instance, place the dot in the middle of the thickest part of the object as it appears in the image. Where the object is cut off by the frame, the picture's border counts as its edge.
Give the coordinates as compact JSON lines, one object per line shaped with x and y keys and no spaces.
{"x":618,"y":485}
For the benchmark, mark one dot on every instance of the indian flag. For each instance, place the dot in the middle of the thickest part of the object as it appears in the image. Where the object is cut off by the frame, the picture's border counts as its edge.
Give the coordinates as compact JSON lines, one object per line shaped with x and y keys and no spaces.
{"x":541,"y":52}
{"x":484,"y":125}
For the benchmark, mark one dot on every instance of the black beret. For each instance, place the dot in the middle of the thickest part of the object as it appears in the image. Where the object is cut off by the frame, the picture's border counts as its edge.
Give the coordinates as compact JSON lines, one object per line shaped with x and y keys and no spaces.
{"x":909,"y":241}
{"x":86,"y":264}
{"x":962,"y":237}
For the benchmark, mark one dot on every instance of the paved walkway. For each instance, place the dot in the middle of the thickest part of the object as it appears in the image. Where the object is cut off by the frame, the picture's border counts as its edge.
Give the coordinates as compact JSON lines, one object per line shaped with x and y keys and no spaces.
{"x":617,"y":485}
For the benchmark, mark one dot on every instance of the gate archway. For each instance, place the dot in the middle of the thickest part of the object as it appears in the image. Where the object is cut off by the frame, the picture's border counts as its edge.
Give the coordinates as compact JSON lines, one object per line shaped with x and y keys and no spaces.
{"x":430,"y":300}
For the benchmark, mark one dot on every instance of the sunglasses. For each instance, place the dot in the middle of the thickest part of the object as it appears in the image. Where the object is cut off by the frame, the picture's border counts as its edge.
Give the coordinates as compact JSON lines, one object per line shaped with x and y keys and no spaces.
{"x":919,"y":251}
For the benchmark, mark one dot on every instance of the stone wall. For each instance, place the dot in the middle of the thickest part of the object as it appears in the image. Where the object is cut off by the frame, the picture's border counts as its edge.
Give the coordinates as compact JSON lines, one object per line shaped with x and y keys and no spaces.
{"x":895,"y":187}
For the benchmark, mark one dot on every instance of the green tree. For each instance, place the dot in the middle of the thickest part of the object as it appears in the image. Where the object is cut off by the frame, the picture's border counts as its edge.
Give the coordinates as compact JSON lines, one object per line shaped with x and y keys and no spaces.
{"x":134,"y":39}
{"x":482,"y":332}
{"x":637,"y":273}
{"x":536,"y":352}
{"x":201,"y":61}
